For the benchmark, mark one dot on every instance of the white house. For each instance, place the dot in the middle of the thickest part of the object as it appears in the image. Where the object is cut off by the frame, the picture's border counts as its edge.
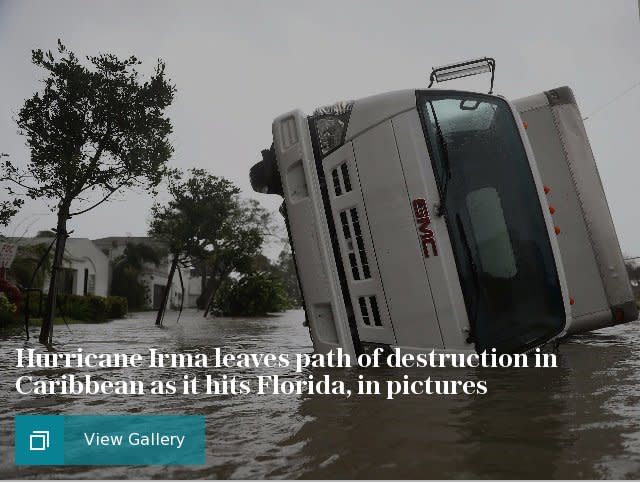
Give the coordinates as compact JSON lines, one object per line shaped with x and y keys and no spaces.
{"x":85,"y":267}
{"x":88,"y":264}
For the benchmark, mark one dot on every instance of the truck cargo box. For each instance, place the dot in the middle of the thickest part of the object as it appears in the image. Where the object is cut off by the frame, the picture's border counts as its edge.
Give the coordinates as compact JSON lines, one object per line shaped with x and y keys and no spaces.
{"x":591,"y":255}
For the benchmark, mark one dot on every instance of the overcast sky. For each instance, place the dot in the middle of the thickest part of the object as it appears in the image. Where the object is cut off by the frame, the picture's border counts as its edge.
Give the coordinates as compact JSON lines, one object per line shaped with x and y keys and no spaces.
{"x":239,"y":64}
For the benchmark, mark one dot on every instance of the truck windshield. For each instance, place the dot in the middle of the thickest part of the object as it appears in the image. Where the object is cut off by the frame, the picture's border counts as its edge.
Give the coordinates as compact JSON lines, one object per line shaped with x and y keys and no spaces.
{"x":495,"y":221}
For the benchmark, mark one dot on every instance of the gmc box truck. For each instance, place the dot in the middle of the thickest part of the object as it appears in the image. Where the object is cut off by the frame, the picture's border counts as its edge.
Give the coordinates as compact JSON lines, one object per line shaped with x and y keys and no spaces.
{"x":421,"y":219}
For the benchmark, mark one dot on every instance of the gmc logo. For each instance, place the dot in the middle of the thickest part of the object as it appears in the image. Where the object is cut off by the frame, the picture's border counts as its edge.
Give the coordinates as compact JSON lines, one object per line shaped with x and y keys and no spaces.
{"x":427,"y":238}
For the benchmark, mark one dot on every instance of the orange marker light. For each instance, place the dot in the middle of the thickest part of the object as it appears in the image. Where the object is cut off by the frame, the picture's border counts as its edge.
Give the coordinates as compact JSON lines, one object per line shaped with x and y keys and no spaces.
{"x":525,"y":124}
{"x":546,"y":190}
{"x":557,"y":230}
{"x":552,"y":210}
{"x":571,"y":301}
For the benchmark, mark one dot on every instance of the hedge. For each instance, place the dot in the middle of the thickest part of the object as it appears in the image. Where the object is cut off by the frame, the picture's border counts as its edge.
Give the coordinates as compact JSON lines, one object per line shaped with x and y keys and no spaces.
{"x":90,"y":308}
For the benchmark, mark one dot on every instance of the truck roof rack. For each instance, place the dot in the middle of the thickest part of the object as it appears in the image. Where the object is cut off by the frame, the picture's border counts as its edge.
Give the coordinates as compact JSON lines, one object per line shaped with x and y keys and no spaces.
{"x":463,"y":69}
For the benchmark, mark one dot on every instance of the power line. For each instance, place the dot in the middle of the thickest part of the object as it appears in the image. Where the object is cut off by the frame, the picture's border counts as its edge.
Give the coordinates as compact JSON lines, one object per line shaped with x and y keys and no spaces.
{"x":612,"y":100}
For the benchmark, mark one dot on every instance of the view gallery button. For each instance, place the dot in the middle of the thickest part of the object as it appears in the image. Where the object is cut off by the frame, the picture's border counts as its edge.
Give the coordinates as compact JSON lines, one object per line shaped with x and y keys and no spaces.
{"x":111,"y":440}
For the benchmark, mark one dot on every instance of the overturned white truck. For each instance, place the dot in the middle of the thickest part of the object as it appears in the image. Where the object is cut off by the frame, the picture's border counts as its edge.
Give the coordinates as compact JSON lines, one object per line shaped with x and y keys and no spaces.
{"x":421,"y":219}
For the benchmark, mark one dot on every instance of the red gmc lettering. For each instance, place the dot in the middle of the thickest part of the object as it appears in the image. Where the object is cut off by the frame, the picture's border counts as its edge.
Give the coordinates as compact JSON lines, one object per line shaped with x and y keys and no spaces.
{"x":423,"y":220}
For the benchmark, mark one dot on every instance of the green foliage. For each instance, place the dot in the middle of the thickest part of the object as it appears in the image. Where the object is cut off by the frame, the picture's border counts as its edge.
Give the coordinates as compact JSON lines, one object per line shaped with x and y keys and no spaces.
{"x":23,"y":266}
{"x":96,"y":307}
{"x":128,"y":267}
{"x":9,"y":208}
{"x":8,"y":314}
{"x":117,"y":307}
{"x":73,"y":306}
{"x":198,"y":209}
{"x":207,"y":225}
{"x":284,"y":270}
{"x":93,"y":129}
{"x":257,"y":293}
{"x":92,"y":308}
{"x":239,"y":241}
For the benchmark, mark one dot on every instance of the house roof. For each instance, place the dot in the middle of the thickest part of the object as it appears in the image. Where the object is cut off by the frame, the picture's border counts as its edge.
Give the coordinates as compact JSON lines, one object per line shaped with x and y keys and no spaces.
{"x":75,"y":248}
{"x":118,"y":241}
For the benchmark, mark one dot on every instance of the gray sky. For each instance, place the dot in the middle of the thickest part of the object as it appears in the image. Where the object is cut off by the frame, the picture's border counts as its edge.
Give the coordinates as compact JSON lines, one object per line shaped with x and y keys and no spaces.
{"x":239,"y":64}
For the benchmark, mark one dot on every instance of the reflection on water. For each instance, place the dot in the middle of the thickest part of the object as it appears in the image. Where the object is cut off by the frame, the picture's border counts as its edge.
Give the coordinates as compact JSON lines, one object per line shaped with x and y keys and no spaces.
{"x":581,"y":420}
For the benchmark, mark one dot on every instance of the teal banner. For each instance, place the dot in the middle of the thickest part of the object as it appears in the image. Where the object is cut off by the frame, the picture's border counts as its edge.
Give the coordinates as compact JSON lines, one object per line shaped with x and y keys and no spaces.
{"x":110,"y":440}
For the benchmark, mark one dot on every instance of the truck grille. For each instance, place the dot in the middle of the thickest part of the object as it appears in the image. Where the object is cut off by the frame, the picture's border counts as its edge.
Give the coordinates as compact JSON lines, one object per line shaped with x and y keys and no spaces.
{"x":341,"y":179}
{"x":356,"y":251}
{"x":369,"y":311}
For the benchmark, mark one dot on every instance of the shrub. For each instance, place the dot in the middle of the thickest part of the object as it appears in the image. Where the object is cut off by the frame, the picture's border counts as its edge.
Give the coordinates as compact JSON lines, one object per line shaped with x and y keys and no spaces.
{"x":253,"y":294}
{"x":72,"y":306}
{"x":96,"y":308}
{"x":117,"y":307}
{"x":92,"y":308}
{"x":7,"y":311}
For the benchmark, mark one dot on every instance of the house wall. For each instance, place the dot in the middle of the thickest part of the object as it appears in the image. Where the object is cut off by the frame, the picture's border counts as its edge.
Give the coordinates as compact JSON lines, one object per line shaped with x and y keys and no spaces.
{"x":83,"y":254}
{"x":80,"y":254}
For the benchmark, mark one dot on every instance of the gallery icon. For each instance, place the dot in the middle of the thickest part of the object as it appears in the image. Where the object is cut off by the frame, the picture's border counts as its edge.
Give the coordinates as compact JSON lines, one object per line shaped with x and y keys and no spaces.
{"x":39,"y":440}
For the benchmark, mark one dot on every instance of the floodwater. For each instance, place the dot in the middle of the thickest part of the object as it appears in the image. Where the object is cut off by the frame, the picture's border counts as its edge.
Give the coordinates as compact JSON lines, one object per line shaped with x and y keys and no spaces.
{"x":581,"y":420}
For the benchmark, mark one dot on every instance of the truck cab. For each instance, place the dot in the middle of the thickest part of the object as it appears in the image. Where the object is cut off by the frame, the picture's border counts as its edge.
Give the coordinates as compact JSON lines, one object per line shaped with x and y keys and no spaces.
{"x":418,"y":219}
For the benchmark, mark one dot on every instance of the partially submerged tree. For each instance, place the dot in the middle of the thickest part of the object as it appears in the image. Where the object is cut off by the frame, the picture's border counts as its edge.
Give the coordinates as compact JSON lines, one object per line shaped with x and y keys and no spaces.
{"x":194,"y":218}
{"x":235,"y":247}
{"x":93,"y":131}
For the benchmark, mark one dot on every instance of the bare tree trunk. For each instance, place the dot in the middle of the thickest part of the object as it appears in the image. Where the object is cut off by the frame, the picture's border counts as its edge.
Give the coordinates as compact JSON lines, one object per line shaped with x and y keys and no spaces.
{"x":46,"y":331}
{"x":167,"y":290}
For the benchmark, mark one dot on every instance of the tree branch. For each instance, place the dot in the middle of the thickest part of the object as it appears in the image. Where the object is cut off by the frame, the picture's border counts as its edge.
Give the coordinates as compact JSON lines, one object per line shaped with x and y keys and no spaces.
{"x":94,"y":160}
{"x":9,"y":178}
{"x":113,"y":190}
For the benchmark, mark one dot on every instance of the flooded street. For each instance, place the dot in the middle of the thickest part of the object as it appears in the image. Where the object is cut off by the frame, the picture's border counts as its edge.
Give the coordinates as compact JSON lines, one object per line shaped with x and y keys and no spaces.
{"x":581,"y":420}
